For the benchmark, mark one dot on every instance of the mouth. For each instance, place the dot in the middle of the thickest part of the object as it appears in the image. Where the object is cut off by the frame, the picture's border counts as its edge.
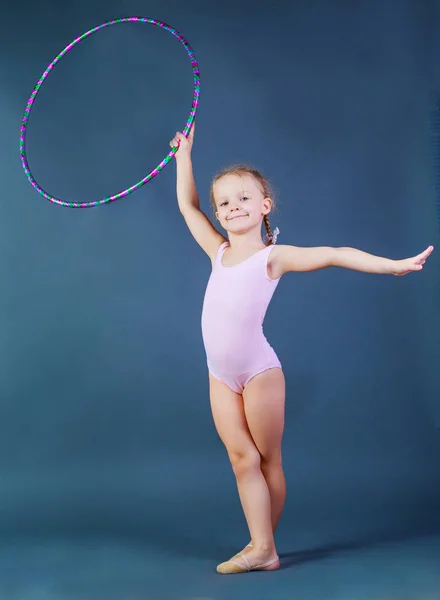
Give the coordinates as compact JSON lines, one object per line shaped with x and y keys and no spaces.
{"x":237,"y":217}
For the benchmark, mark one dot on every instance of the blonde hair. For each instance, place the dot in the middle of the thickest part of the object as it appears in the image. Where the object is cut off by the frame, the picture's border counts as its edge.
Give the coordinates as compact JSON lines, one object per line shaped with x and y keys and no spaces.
{"x":261,"y":181}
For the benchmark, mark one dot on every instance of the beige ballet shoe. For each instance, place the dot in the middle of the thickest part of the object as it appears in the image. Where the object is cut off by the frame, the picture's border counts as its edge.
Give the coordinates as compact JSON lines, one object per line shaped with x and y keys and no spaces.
{"x":240,"y":553}
{"x":241,"y":564}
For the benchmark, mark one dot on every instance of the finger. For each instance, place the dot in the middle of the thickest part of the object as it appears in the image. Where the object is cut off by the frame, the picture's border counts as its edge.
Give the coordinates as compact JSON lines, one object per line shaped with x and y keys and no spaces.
{"x":428,"y":251}
{"x":421,"y":256}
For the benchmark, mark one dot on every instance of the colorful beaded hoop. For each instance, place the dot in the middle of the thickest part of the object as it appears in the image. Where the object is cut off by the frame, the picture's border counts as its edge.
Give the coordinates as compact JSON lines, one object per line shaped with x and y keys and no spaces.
{"x":153,"y":172}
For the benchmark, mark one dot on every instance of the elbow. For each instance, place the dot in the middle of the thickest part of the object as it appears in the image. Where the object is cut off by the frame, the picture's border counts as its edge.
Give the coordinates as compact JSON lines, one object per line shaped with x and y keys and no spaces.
{"x":333,"y":256}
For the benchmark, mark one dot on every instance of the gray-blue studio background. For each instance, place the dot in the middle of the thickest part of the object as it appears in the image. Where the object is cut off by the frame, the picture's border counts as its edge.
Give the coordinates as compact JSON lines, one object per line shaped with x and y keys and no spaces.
{"x":105,"y":424}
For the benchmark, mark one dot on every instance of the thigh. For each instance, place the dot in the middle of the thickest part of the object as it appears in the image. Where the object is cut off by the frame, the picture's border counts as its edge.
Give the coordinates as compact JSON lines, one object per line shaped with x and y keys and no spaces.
{"x":230,"y":419}
{"x":264,"y":401}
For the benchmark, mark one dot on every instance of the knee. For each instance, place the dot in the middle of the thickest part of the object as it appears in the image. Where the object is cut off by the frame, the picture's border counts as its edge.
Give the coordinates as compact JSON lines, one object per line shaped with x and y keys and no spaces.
{"x":271,"y":462}
{"x":245,"y":461}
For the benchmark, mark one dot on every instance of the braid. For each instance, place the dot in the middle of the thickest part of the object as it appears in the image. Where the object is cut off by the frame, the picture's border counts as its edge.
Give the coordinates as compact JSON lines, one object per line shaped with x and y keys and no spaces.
{"x":268,"y":230}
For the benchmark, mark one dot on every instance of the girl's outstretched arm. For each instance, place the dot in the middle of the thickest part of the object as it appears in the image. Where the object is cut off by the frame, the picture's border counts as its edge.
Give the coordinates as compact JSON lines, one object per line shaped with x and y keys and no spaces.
{"x":294,"y":258}
{"x":198,"y":223}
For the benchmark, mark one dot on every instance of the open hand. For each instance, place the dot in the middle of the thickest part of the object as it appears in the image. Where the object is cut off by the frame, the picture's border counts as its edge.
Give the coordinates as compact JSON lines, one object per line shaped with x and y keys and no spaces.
{"x":183,"y":143}
{"x":408,"y":265}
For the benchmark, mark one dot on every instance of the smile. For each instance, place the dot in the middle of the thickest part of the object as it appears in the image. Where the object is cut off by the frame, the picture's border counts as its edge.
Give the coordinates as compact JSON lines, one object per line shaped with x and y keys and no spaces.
{"x":237,"y":217}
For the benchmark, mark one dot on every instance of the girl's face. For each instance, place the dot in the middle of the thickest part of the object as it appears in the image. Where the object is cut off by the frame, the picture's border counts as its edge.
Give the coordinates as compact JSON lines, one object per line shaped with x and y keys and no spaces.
{"x":240,"y":203}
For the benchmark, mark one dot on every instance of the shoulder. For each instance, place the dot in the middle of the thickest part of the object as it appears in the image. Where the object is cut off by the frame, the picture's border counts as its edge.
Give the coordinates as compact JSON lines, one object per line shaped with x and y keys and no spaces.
{"x":276,"y":264}
{"x":219,"y":249}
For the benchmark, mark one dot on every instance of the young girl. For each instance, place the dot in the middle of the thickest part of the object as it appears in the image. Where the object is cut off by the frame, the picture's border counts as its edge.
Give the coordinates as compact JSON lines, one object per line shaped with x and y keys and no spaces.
{"x":247,"y":387}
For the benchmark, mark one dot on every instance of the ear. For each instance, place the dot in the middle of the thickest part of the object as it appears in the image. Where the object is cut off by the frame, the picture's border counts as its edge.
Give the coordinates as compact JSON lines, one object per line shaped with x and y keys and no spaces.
{"x":267,"y":206}
{"x":216,"y":216}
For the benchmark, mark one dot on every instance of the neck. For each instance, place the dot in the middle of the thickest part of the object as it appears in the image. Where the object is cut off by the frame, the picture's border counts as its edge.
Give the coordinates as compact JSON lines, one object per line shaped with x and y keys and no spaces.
{"x":244,"y":242}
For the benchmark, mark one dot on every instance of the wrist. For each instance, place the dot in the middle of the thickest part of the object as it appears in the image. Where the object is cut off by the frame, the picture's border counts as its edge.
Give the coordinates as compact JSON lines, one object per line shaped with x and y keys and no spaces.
{"x":391,"y":267}
{"x":183,"y":158}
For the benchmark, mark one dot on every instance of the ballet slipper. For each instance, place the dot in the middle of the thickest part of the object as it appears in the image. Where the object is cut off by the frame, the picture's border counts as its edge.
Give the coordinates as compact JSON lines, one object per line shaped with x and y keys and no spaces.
{"x":239,"y":553}
{"x":241,"y":564}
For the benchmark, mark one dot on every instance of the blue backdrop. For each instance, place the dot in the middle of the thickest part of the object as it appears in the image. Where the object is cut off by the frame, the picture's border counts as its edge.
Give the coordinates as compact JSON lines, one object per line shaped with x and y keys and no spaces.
{"x":105,"y":426}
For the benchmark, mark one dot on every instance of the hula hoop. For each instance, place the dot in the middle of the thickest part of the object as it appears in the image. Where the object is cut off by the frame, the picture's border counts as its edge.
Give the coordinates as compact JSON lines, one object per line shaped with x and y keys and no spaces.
{"x":153,"y":172}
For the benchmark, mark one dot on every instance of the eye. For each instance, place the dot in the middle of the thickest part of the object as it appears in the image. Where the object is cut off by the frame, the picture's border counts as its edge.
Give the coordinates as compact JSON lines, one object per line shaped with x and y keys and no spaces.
{"x":244,"y":198}
{"x":224,"y":203}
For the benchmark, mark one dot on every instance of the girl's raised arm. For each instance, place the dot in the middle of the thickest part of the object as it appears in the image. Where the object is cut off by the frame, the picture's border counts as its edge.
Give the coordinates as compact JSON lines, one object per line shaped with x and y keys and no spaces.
{"x":203,"y":231}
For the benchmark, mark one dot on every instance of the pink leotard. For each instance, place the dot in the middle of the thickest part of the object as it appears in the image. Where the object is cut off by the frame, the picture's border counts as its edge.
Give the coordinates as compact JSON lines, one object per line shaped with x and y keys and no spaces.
{"x":234,"y":308}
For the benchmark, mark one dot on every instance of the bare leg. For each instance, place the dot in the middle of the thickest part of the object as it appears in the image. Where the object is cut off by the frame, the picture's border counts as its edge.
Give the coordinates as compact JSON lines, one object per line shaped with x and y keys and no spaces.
{"x":230,"y":421}
{"x":264,"y":400}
